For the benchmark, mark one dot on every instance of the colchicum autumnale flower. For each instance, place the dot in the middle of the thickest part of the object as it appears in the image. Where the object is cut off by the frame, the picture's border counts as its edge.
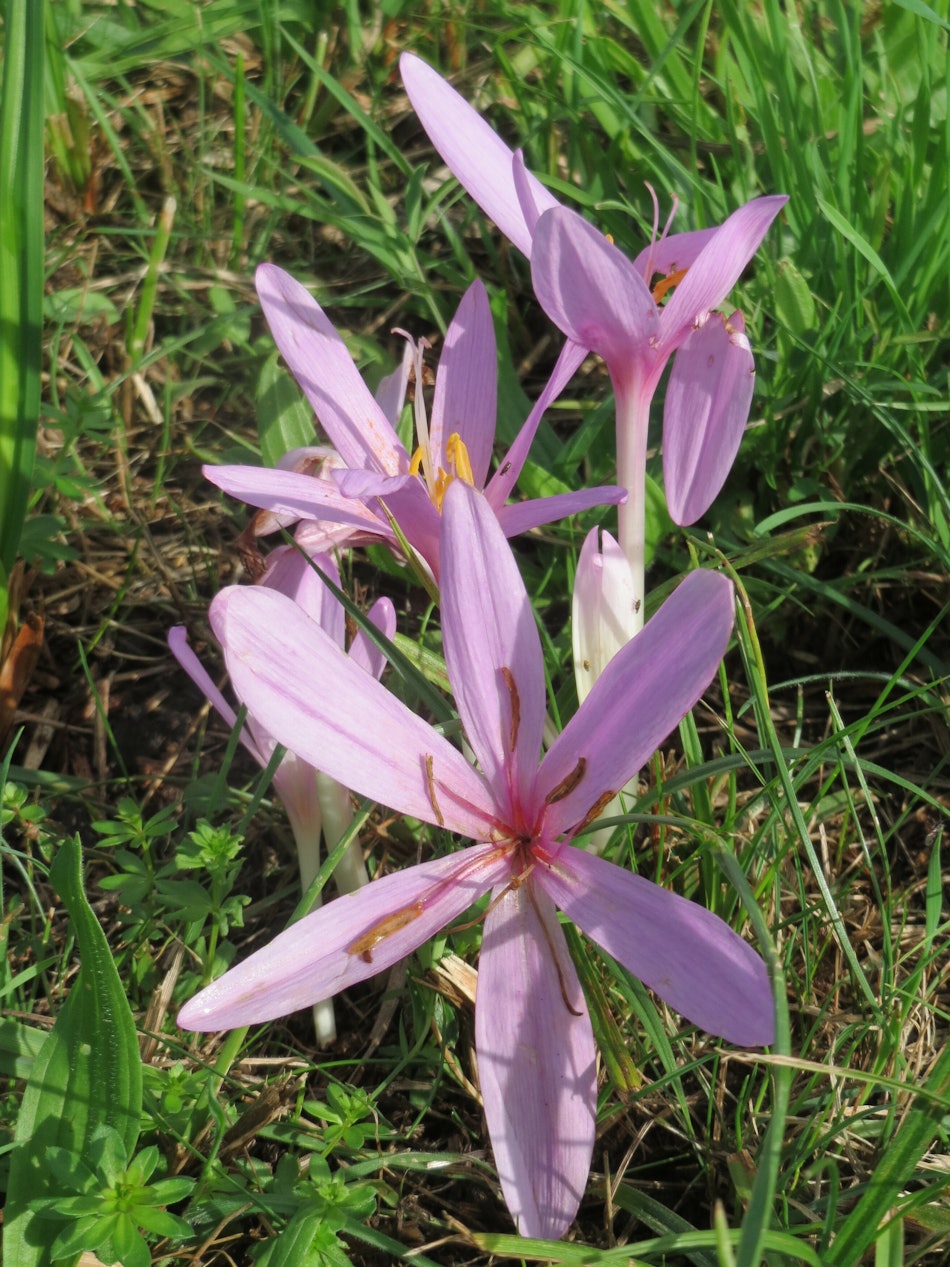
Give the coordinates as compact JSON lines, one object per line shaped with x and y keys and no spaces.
{"x":375,"y":482}
{"x":603,"y":301}
{"x":316,"y":804}
{"x":535,"y":1045}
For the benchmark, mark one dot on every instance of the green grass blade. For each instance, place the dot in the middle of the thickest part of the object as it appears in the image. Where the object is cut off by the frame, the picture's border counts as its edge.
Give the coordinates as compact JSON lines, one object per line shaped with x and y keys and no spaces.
{"x":87,"y":1074}
{"x":21,"y":267}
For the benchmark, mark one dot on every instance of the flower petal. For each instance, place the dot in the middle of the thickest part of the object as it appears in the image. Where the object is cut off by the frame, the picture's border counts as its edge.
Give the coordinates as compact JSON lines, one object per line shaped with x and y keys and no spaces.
{"x":707,"y":406}
{"x":291,"y":572}
{"x":503,"y":481}
{"x":365,"y":653}
{"x":391,"y":391}
{"x":492,"y":648}
{"x":348,"y":940}
{"x":181,"y":650}
{"x":473,"y":152}
{"x":321,"y":364}
{"x":717,"y":268}
{"x":518,"y":517}
{"x":604,"y":609}
{"x":647,"y":687}
{"x":317,"y":702}
{"x":291,"y":495}
{"x":670,"y":254}
{"x":536,"y":1062}
{"x":466,"y":384}
{"x":593,"y":293}
{"x":690,"y":957}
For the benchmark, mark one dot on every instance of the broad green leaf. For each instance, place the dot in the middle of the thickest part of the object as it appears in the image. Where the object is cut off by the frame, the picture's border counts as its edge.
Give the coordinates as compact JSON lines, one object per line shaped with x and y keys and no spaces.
{"x":284,"y":419}
{"x":88,"y":1073}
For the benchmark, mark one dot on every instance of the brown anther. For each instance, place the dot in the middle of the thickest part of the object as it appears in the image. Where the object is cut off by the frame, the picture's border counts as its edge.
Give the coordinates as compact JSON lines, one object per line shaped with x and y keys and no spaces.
{"x":595,"y":810}
{"x":389,"y":924}
{"x":430,"y":781}
{"x":568,"y":783}
{"x":513,"y":695}
{"x":667,"y":283}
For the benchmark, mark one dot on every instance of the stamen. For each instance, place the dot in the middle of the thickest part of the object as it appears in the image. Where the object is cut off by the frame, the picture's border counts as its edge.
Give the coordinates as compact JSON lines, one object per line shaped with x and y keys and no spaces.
{"x":456,"y":454}
{"x":595,"y":811}
{"x":553,"y":951}
{"x":430,"y":779}
{"x":416,"y":461}
{"x":389,"y":924}
{"x":515,"y":699}
{"x":569,"y":782}
{"x":667,"y":283}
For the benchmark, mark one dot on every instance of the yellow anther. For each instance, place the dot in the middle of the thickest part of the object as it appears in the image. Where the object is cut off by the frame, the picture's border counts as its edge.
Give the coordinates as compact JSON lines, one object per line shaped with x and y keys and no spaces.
{"x":415,"y":461}
{"x":456,"y":455}
{"x":660,"y":289}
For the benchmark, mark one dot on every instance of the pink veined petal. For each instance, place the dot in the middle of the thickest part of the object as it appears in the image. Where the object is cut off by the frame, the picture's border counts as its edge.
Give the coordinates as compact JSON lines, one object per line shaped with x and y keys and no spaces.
{"x":317,"y":702}
{"x":316,"y":460}
{"x":492,"y":648}
{"x":536,"y":1061}
{"x":473,"y":152}
{"x":717,"y":268}
{"x":365,"y":653}
{"x":321,"y":364}
{"x":603,"y":609}
{"x":690,"y":957}
{"x":518,"y":517}
{"x":593,"y":293}
{"x":707,"y":406}
{"x":526,"y":187}
{"x":360,"y":485}
{"x":297,"y":575}
{"x":346,"y":941}
{"x":466,"y":384}
{"x":503,"y":481}
{"x":291,"y":496}
{"x":647,"y":687}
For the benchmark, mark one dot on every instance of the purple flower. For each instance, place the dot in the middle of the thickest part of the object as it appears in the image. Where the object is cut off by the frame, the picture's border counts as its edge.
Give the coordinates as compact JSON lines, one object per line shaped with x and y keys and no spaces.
{"x":375,"y":481}
{"x":603,"y":301}
{"x":536,"y":1054}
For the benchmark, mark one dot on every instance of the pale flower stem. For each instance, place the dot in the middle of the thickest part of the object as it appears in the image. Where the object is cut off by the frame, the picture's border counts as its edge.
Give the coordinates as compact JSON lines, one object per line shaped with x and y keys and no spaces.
{"x":336,"y":809}
{"x":633,"y":416}
{"x":307,"y":839}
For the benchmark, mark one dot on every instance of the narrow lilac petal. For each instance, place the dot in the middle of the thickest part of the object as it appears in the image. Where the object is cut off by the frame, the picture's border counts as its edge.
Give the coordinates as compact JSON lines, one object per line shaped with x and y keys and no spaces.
{"x":308,"y":693}
{"x":319,"y":361}
{"x":518,"y":517}
{"x":492,"y":648}
{"x":360,"y":485}
{"x":365,"y":653}
{"x":690,"y":957}
{"x":346,"y":941}
{"x":466,"y":384}
{"x":717,"y":268}
{"x":707,"y":406}
{"x":647,"y":687}
{"x":604,"y":608}
{"x":526,"y":187}
{"x":536,"y":1062}
{"x":473,"y":152}
{"x":181,"y":650}
{"x":297,"y":575}
{"x":592,"y":292}
{"x":503,"y":481}
{"x":291,"y":495}
{"x":672,"y":253}
{"x":391,"y":392}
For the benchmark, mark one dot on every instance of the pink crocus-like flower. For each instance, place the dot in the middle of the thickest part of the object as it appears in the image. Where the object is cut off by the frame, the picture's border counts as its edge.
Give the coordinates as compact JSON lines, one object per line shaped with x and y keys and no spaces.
{"x":536,"y":1054}
{"x":316,"y":804}
{"x":375,"y":483}
{"x":603,"y":301}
